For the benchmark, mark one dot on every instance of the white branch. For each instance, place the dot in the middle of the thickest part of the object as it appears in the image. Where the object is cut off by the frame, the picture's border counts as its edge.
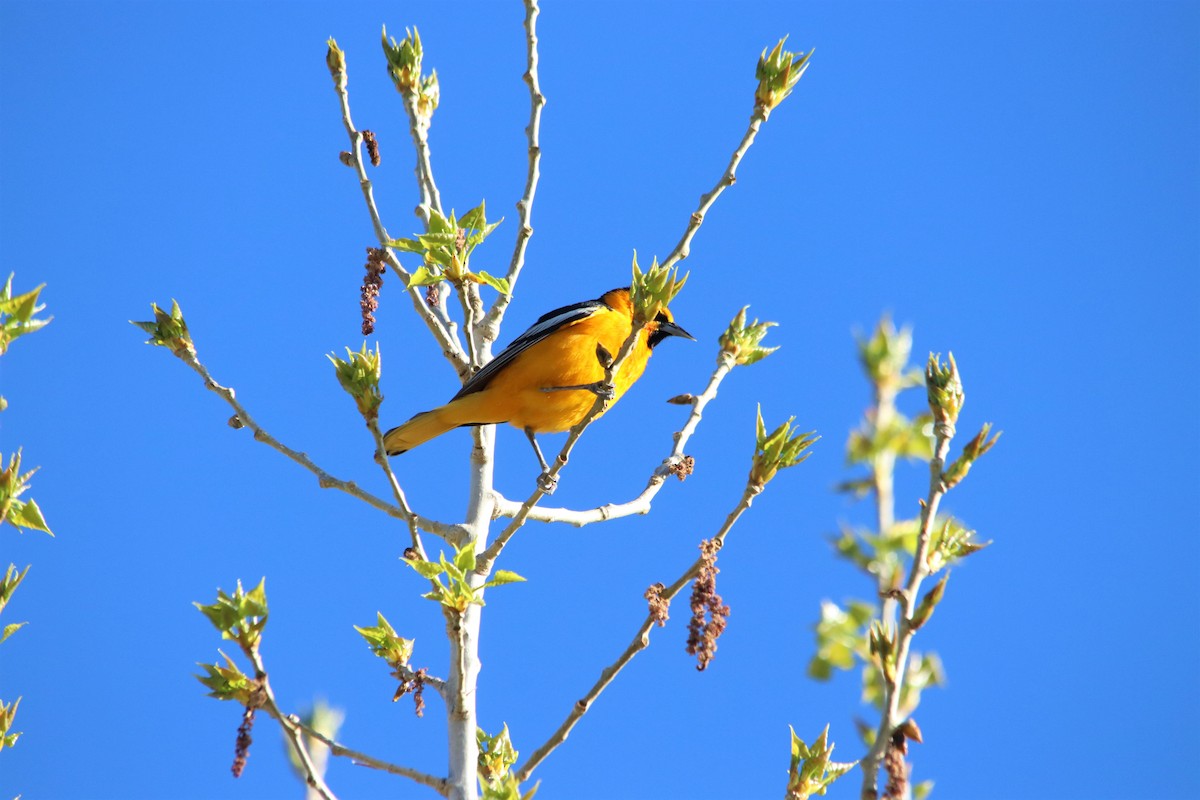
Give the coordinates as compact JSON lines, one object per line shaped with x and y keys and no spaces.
{"x":641,"y":503}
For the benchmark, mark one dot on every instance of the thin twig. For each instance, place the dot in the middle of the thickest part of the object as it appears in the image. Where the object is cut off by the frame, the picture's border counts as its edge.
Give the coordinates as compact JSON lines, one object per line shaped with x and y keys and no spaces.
{"x":418,"y":127}
{"x":490,"y":325}
{"x":944,"y":432}
{"x":293,"y":732}
{"x":640,"y":641}
{"x":438,"y":322}
{"x":439,"y":785}
{"x":324,"y":479}
{"x":641,"y":503}
{"x":401,"y":500}
{"x":683,"y":249}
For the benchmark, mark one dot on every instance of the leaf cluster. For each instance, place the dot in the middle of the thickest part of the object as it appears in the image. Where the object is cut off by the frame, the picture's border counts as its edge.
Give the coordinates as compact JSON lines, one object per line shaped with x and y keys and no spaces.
{"x":811,"y":771}
{"x":404,"y":66}
{"x":944,"y":387}
{"x":22,"y":514}
{"x":8,"y":737}
{"x":841,"y":637}
{"x":228,"y":682}
{"x":653,"y":290}
{"x":777,"y":74}
{"x":456,"y":592}
{"x":240,"y":616}
{"x":17,"y":314}
{"x":386,"y":643}
{"x":446,"y":248}
{"x":781,"y":448}
{"x":884,"y":357}
{"x":742,"y":341}
{"x":359,"y":374}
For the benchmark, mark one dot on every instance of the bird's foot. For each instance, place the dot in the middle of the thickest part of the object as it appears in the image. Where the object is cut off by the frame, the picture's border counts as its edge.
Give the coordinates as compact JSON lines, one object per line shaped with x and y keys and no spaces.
{"x":602,"y":389}
{"x":547,"y":482}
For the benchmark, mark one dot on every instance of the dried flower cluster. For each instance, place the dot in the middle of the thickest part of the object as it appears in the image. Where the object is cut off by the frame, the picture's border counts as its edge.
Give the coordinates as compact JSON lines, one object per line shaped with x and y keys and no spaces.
{"x":893,"y":760}
{"x":411,"y":682}
{"x":658,"y":605}
{"x":372,"y":283}
{"x":684,"y":467}
{"x":709,"y":613}
{"x":372,"y":147}
{"x":243,"y":742}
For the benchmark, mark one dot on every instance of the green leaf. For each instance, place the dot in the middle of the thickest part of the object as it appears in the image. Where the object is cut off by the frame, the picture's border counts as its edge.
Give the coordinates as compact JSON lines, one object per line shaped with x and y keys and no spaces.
{"x":427,"y":569}
{"x":499,"y":284}
{"x":503,"y":576}
{"x":9,"y":630}
{"x":475,"y":219}
{"x":451,"y":569}
{"x":423,"y":277}
{"x":407,"y":245}
{"x":464,"y":559}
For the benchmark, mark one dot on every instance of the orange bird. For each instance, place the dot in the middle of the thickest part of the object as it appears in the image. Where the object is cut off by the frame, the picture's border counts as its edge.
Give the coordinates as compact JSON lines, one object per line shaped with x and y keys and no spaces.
{"x":548,"y":378}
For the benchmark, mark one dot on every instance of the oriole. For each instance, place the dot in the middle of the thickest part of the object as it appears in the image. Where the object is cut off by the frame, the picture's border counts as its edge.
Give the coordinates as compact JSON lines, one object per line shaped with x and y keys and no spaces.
{"x":548,"y":378}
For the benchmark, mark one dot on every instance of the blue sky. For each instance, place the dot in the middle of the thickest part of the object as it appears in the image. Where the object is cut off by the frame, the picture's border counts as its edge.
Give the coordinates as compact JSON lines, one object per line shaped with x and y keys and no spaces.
{"x":1019,"y":181}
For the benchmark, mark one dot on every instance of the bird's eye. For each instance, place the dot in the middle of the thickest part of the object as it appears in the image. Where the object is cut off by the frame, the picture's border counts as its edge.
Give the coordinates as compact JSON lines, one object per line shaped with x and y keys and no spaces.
{"x":661,"y":317}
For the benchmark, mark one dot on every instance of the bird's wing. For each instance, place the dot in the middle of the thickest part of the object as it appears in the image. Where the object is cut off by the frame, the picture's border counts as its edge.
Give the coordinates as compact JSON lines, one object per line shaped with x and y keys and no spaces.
{"x":546,"y":325}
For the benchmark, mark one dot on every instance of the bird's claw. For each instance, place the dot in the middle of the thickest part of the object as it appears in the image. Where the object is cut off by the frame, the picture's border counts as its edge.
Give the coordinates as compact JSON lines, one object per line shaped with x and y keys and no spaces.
{"x":605,"y":391}
{"x":547,"y":482}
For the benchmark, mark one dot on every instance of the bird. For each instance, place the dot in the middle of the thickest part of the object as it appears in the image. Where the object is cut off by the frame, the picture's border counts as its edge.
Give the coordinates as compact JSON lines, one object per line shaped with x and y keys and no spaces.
{"x":547,"y":379}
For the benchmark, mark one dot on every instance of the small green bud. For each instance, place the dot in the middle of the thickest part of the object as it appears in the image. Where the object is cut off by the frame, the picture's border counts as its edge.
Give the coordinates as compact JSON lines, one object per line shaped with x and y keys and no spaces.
{"x":778,"y":74}
{"x":404,"y":60}
{"x":742,"y":341}
{"x":21,"y":514}
{"x":8,"y":737}
{"x":386,"y":644}
{"x":335,"y":59}
{"x":928,"y":603}
{"x":429,"y":93}
{"x":884,"y":356}
{"x":169,"y":330}
{"x":971,"y":451}
{"x":882,"y":644}
{"x":228,"y":682}
{"x":944,"y":388}
{"x":12,"y":579}
{"x":496,"y":755}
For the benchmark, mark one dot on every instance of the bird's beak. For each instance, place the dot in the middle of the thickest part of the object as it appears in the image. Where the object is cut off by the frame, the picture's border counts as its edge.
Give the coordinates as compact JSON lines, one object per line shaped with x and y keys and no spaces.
{"x":671,"y":329}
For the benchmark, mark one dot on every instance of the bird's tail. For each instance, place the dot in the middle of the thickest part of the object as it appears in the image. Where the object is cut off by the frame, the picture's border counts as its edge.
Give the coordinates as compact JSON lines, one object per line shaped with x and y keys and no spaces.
{"x":467,"y":410}
{"x":418,"y":430}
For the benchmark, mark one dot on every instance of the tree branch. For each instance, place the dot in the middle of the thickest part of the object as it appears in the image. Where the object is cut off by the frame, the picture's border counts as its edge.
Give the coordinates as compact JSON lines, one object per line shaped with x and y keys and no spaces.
{"x":382,"y":460}
{"x":312,"y":775}
{"x":440,"y":325}
{"x":640,"y":641}
{"x":363,"y":760}
{"x":683,"y":249}
{"x":242,"y":418}
{"x":641,"y":503}
{"x":944,"y":432}
{"x":490,"y":325}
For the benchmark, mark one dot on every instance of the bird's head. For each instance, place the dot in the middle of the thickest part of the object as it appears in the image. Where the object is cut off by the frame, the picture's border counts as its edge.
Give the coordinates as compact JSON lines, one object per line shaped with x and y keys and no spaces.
{"x":662,"y":326}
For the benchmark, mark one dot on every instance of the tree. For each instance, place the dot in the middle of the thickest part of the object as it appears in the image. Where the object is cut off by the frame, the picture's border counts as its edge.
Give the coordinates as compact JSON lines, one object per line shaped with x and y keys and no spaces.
{"x":459,"y":576}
